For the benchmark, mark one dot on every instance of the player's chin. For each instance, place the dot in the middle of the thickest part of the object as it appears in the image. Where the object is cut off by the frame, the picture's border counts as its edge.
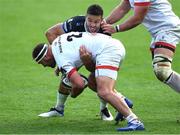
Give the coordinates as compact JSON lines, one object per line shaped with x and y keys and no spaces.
{"x":93,"y":30}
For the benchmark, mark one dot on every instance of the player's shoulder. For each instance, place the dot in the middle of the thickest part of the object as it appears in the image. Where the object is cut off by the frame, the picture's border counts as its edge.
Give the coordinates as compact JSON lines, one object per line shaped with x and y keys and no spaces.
{"x":75,"y":23}
{"x":79,"y":18}
{"x":95,"y":35}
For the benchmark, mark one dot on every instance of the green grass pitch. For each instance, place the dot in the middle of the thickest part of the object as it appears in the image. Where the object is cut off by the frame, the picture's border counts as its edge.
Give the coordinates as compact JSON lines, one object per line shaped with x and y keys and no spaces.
{"x":27,"y":89}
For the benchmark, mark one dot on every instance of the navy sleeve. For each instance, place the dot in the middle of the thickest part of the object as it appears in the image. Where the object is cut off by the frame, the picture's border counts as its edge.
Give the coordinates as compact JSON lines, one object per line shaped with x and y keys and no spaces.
{"x":75,"y":24}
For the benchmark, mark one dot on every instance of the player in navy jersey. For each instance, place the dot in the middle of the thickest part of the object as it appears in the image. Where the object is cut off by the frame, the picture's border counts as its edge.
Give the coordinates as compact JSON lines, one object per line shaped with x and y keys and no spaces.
{"x":89,"y":23}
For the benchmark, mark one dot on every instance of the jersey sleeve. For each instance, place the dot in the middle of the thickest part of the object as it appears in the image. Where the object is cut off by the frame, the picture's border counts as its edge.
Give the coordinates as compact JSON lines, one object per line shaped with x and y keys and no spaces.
{"x":74,"y":24}
{"x":142,"y":2}
{"x":63,"y":64}
{"x":68,"y":69}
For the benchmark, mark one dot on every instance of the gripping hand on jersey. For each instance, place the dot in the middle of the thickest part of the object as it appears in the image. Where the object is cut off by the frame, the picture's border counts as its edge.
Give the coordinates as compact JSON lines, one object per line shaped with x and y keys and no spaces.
{"x":108,"y":28}
{"x":86,"y":58}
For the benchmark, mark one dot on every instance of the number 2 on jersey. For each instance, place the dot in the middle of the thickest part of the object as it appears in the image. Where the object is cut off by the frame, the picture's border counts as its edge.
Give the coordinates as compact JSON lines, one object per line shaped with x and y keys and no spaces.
{"x":70,"y":37}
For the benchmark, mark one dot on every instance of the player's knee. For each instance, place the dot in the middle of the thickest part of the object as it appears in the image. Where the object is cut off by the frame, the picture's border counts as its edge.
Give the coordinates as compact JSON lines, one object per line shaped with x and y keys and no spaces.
{"x":162,"y":67}
{"x":63,"y":89}
{"x":103,"y":93}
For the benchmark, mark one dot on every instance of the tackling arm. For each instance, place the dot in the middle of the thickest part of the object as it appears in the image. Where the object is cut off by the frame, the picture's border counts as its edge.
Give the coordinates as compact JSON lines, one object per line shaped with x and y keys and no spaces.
{"x":53,"y":32}
{"x":133,"y":21}
{"x":136,"y":19}
{"x":119,"y":12}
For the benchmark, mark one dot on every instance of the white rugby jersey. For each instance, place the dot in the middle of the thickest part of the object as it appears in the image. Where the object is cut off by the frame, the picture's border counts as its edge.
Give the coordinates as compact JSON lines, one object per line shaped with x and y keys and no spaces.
{"x":160,"y":14}
{"x":65,"y":48}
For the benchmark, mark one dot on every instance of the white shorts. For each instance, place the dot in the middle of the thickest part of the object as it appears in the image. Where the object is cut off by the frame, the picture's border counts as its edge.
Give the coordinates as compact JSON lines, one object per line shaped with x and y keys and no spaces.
{"x":109,"y":60}
{"x":166,"y":37}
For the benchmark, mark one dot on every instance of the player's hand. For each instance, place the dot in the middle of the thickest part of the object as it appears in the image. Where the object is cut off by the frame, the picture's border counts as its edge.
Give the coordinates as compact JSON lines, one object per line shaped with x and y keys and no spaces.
{"x":84,"y":54}
{"x":103,"y":22}
{"x":108,"y":28}
{"x":56,"y":71}
{"x":86,"y":58}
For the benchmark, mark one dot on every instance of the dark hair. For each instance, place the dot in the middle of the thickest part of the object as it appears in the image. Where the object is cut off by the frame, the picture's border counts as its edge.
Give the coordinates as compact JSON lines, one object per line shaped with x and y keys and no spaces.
{"x":95,"y":9}
{"x":37,"y":50}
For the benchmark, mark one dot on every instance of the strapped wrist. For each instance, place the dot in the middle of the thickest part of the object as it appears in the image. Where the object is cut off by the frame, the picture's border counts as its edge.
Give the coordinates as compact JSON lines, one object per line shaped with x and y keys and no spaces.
{"x":117,"y":28}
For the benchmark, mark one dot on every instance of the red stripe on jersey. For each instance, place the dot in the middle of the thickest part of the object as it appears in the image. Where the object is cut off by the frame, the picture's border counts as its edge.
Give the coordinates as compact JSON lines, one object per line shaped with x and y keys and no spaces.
{"x":142,"y":3}
{"x":165,"y":44}
{"x":107,"y":67}
{"x":71,"y":72}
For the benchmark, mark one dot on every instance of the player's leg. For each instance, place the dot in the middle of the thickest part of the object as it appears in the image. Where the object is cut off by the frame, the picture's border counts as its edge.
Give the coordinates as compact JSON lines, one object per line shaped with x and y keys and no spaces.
{"x":162,"y":60}
{"x":62,"y":95}
{"x":105,"y":87}
{"x":119,"y":116}
{"x":104,"y":112}
{"x":164,"y":45}
{"x":107,"y":64}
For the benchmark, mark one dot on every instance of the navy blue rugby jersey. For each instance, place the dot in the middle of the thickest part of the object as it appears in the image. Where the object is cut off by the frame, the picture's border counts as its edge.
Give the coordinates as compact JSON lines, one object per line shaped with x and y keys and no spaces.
{"x":76,"y":24}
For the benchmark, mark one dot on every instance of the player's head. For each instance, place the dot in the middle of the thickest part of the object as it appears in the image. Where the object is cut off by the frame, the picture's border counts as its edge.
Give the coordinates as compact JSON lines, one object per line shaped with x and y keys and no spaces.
{"x":94,"y":17}
{"x":42,"y":54}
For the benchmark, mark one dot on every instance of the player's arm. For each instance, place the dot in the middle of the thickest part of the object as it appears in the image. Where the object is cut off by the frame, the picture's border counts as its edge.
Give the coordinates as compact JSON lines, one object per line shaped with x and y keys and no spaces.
{"x":119,"y":12}
{"x":53,"y":32}
{"x":78,"y":84}
{"x":61,"y":28}
{"x":133,"y":21}
{"x":138,"y":17}
{"x":86,"y":58}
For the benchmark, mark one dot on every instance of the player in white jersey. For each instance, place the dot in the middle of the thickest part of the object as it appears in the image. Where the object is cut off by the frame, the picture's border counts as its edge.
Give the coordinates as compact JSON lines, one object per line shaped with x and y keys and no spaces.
{"x":63,"y":47}
{"x":107,"y":65}
{"x":157,"y":16}
{"x":91,"y":23}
